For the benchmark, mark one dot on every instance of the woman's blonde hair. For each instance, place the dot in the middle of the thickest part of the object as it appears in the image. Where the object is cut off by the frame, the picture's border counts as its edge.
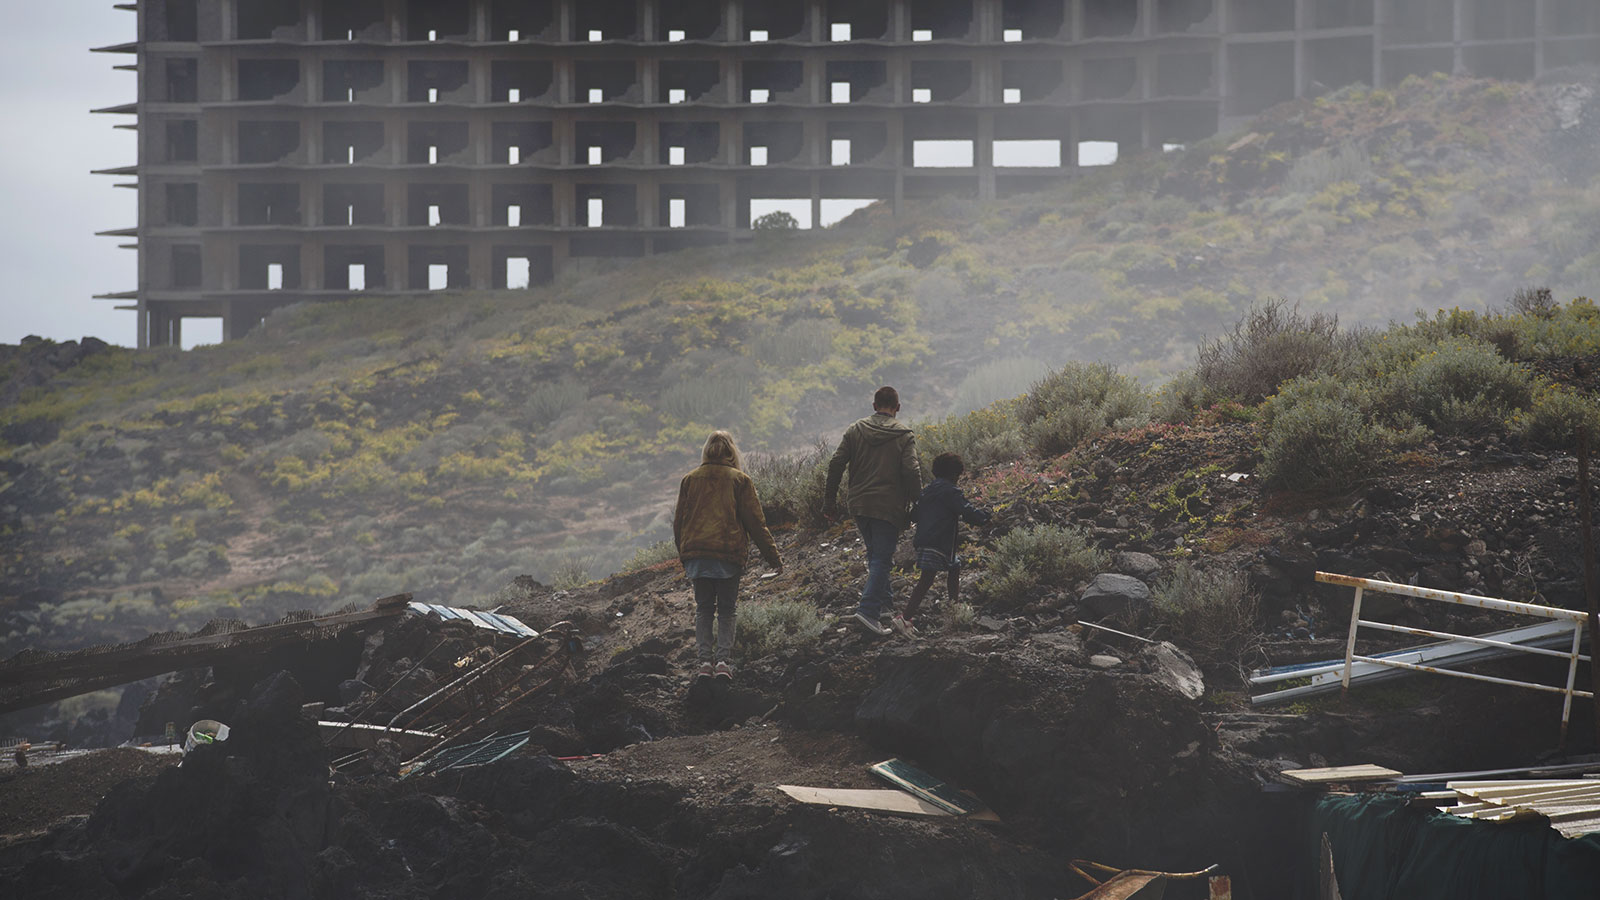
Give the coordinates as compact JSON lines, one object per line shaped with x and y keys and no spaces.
{"x":721,"y":450}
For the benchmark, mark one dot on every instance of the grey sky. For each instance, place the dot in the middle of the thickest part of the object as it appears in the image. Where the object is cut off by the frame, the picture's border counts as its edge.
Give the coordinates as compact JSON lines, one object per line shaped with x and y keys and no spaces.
{"x":53,"y":206}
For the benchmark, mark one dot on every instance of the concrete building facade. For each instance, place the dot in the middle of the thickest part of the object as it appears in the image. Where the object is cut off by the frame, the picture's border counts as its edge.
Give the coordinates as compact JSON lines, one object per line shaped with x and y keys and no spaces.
{"x":292,"y":150}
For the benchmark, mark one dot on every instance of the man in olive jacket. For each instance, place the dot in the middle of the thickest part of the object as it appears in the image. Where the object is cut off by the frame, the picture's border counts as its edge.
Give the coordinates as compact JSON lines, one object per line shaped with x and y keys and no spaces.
{"x":885,"y":479}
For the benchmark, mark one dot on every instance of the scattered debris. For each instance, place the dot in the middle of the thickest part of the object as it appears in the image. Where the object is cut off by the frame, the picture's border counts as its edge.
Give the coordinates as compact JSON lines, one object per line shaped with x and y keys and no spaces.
{"x":1142,"y":884}
{"x":907,"y":777}
{"x":1572,"y":806}
{"x":478,"y":753}
{"x":891,"y":801}
{"x":490,"y":620}
{"x":1338,"y":774}
{"x":205,"y":731}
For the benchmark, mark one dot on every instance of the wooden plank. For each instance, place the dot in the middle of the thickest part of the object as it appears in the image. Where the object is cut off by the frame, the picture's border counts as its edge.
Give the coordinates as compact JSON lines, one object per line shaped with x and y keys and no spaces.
{"x":1339,"y":774}
{"x":1130,"y":886}
{"x":888,"y":800}
{"x":907,"y":777}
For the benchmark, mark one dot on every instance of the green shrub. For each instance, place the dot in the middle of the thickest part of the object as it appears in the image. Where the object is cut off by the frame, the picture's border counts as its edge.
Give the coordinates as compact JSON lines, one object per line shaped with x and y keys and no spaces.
{"x":1042,"y":554}
{"x":802,"y":342}
{"x":1463,"y":386}
{"x":775,"y":221}
{"x":570,"y":570}
{"x":1272,"y":344}
{"x":981,"y":438}
{"x":1002,"y":379}
{"x":710,"y":399}
{"x":1319,"y":435}
{"x":1077,"y":401}
{"x":548,"y":401}
{"x":766,"y":627}
{"x":651,"y":555}
{"x":1326,"y":166}
{"x":1212,"y":615}
{"x":1555,"y":417}
{"x":958,"y":616}
{"x":790,"y":486}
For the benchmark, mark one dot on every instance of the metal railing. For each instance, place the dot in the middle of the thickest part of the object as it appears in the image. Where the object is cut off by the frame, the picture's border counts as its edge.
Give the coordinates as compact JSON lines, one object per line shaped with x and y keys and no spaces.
{"x":1577,"y":620}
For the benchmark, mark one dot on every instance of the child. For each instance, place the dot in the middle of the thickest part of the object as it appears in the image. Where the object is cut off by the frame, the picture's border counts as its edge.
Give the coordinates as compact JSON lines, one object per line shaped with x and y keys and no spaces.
{"x":938,"y":514}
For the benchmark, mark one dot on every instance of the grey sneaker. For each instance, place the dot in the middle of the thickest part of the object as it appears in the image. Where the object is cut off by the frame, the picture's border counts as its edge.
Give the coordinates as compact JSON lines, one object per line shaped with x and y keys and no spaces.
{"x":705,"y":671}
{"x":871,"y":624}
{"x":724,"y":671}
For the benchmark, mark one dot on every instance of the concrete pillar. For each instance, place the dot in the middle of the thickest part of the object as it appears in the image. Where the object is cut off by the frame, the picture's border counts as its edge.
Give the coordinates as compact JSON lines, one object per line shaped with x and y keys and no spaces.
{"x":983,"y":155}
{"x":1458,"y":63}
{"x":732,"y":22}
{"x":816,"y":200}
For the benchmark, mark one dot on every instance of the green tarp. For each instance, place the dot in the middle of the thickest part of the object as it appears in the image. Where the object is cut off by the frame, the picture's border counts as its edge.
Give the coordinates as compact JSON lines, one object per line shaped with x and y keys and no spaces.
{"x":1384,"y":849}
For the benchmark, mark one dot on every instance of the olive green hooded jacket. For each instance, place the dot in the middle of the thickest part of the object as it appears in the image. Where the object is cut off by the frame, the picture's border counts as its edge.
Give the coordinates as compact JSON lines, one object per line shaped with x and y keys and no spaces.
{"x":885,"y":476}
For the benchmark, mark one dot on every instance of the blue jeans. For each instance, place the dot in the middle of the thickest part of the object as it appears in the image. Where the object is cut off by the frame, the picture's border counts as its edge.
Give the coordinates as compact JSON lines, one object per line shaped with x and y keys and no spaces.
{"x":880,"y":538}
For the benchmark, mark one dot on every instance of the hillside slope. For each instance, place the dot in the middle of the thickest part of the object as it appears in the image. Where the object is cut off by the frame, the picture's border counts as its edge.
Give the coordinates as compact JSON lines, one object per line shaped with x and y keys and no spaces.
{"x":445,"y":446}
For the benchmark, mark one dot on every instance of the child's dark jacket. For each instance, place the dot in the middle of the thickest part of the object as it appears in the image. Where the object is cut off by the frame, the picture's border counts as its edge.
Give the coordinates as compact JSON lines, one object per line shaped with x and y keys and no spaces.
{"x":938,"y":509}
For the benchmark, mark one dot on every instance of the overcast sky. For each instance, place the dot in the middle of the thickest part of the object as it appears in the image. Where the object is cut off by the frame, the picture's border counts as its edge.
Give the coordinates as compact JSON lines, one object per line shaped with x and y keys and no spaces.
{"x":52,"y":205}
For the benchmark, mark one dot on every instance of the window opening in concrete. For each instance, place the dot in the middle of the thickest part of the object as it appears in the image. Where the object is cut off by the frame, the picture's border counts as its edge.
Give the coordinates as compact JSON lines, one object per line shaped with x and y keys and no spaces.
{"x":522,"y":20}
{"x":1347,"y":13}
{"x":596,"y":95}
{"x":697,"y":20}
{"x":922,"y":34}
{"x":1508,"y":62}
{"x":1097,"y":153}
{"x":689,"y":79}
{"x":836,"y":209}
{"x":1179,"y":16}
{"x":614,"y":140}
{"x":1011,"y":95}
{"x":1118,"y":18}
{"x":185,"y":265}
{"x":516,"y":272}
{"x":1028,"y":153}
{"x":513,"y":155}
{"x":274,"y":276}
{"x":698,"y":142}
{"x":1581,"y":52}
{"x":199,"y":331}
{"x":179,"y":21}
{"x":183,"y":140}
{"x":267,"y":142}
{"x":758,"y":156}
{"x":779,"y":80}
{"x":269,"y":204}
{"x":350,"y":214}
{"x":1113,"y":79}
{"x":432,"y":81}
{"x":606,"y":20}
{"x":262,"y":20}
{"x":839,"y":31}
{"x":349,"y":142}
{"x":941,"y":154}
{"x":352,"y":267}
{"x":183,"y":203}
{"x":864,"y":80}
{"x":522,"y":203}
{"x":597,"y":212}
{"x":452,"y":262}
{"x":351,"y":20}
{"x":775,"y":21}
{"x":435,"y":142}
{"x":437,"y":204}
{"x":759,"y":95}
{"x":800,"y":209}
{"x":859,"y":20}
{"x":1259,"y":76}
{"x":513,"y":81}
{"x":1173,"y":148}
{"x":1499,"y":20}
{"x":860,"y":142}
{"x":942,"y":82}
{"x":1259,"y":17}
{"x":1421,"y":21}
{"x":1335,"y":62}
{"x":944,"y":20}
{"x":1190,"y":74}
{"x":1032,"y":79}
{"x":839,"y":92}
{"x":430,"y":20}
{"x":698,"y":204}
{"x":516,"y":142}
{"x":676,"y":208}
{"x":602,"y":81}
{"x":1029,"y":19}
{"x":438,"y":276}
{"x":921,"y":95}
{"x":182,"y":81}
{"x":780,"y":142}
{"x":1571,"y":17}
{"x":267,"y":79}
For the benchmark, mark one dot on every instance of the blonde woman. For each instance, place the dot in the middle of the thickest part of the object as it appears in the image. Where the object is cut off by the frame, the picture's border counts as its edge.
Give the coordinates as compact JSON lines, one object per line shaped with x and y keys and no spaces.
{"x":718,"y":515}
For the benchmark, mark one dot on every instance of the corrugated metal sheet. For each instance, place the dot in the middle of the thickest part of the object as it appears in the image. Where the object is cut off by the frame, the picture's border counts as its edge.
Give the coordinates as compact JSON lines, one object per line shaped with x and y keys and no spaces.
{"x":480,"y":753}
{"x":489,"y":620}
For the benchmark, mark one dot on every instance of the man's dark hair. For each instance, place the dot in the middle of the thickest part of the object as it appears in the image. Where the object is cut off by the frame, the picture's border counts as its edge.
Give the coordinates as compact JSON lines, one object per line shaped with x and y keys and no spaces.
{"x":948,"y":465}
{"x":886,"y":398}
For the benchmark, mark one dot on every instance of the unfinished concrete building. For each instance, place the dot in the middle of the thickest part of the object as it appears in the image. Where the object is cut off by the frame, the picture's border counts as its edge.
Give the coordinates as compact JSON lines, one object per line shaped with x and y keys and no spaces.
{"x":292,"y":150}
